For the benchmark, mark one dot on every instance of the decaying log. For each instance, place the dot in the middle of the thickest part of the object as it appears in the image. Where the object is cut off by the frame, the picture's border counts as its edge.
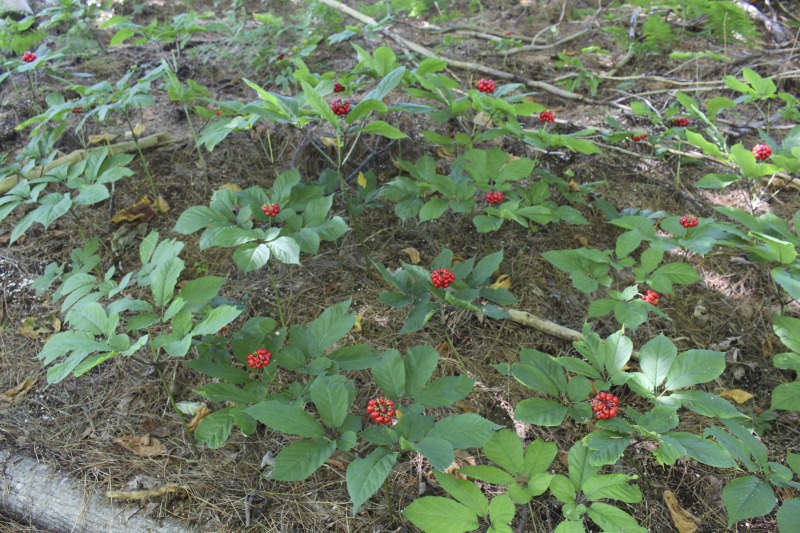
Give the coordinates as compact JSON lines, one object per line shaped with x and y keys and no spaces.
{"x":39,"y":494}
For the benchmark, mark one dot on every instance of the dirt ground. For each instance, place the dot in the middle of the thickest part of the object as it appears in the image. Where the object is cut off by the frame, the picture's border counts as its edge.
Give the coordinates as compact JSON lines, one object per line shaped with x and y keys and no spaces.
{"x":73,"y":424}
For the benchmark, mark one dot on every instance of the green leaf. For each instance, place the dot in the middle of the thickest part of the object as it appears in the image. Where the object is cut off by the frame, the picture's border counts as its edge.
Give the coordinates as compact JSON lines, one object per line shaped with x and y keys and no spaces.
{"x":489,"y":474}
{"x":379,"y":127}
{"x":433,"y":209}
{"x":444,"y":391}
{"x":678,"y":273}
{"x":747,"y":497}
{"x":788,"y":329}
{"x":286,"y":418}
{"x":198,"y":292}
{"x":434,"y":514}
{"x":196,"y":218}
{"x":789,"y":515}
{"x":538,"y":457}
{"x":579,"y":467}
{"x":540,"y":412}
{"x":612,"y":486}
{"x":329,"y":327}
{"x":703,"y":450}
{"x":610,"y":518}
{"x":501,"y":509}
{"x":437,"y":450}
{"x":366,"y":475}
{"x":390,"y":375}
{"x":301,"y":459}
{"x":693,"y":367}
{"x":467,"y":430}
{"x":706,"y":404}
{"x":655,"y":359}
{"x":420,"y":363}
{"x":563,"y":489}
{"x":570,"y":526}
{"x":786,"y":396}
{"x":214,"y":429}
{"x":505,"y":449}
{"x":216,"y":319}
{"x":464,"y":491}
{"x":387,"y":84}
{"x":286,"y":250}
{"x":164,"y":278}
{"x":708,"y":148}
{"x":318,"y":104}
{"x":90,"y":317}
{"x":331,"y":398}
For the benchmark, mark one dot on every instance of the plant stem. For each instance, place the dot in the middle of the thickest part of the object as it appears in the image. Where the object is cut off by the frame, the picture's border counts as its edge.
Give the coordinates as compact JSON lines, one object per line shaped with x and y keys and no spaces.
{"x":141,"y":156}
{"x":168,"y":391}
{"x":197,"y":145}
{"x":350,"y":209}
{"x":277,"y":296}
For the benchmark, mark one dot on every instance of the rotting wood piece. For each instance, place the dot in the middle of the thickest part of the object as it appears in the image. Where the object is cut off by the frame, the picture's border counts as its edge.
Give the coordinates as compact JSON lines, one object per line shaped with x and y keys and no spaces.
{"x":36,"y":493}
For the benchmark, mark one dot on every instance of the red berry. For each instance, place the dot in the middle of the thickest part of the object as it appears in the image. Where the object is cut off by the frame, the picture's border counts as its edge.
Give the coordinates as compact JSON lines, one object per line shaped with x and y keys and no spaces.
{"x":495,"y":197}
{"x":77,"y":110}
{"x":682,"y":122}
{"x":338,"y":87}
{"x":651,"y":297}
{"x":689,"y":221}
{"x":29,"y":57}
{"x":280,"y":57}
{"x":259,"y":359}
{"x":271,"y":210}
{"x":547,"y":116}
{"x":485,"y":86}
{"x":762,"y":152}
{"x":381,"y":410}
{"x":442,"y":278}
{"x":639,"y":137}
{"x":223,"y":330}
{"x":605,"y":405}
{"x":340,"y":107}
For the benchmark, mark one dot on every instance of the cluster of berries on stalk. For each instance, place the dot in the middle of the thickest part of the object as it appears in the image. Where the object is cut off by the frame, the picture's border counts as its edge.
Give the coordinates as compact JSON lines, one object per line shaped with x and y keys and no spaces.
{"x":442,"y":278}
{"x":338,"y":87}
{"x":689,"y":221}
{"x":271,"y":210}
{"x":494,"y":197}
{"x":381,"y":410}
{"x":639,"y":137}
{"x":605,"y":405}
{"x":651,"y":297}
{"x":485,"y":86}
{"x":681,"y":122}
{"x":29,"y":57}
{"x":77,"y":110}
{"x":547,"y":116}
{"x":762,"y":152}
{"x":260,"y":359}
{"x":340,"y":107}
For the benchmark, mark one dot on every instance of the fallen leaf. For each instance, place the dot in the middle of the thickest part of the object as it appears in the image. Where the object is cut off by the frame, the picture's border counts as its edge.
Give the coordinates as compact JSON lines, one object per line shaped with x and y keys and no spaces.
{"x":152,"y":427}
{"x":146,"y":494}
{"x":361,"y":180}
{"x":200,"y":413}
{"x":102,"y":139}
{"x":161,"y":205}
{"x":737,"y":395}
{"x":189,"y":408}
{"x":17,"y":393}
{"x":583,"y":241}
{"x":444,"y":153}
{"x":502,"y":282}
{"x":483,"y":119}
{"x":8,"y":183}
{"x":138,"y":130}
{"x":331,"y":142}
{"x":467,"y":406}
{"x":35,"y":328}
{"x":357,"y":325}
{"x":142,"y":445}
{"x":141,"y":211}
{"x":230,"y":187}
{"x":413,"y":255}
{"x":443,"y":349}
{"x":338,"y":461}
{"x":126,"y":236}
{"x":685,"y":522}
{"x":573,"y":187}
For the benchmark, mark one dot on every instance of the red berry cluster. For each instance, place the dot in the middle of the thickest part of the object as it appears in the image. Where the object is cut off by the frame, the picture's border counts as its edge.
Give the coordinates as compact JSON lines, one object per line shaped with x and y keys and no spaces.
{"x":547,"y":116}
{"x":442,"y":278}
{"x":338,"y":87}
{"x":340,"y":107}
{"x":223,"y":330}
{"x":29,"y":57}
{"x":651,"y":297}
{"x":271,"y":210}
{"x":77,"y":110}
{"x":485,"y":86}
{"x":260,"y":359}
{"x":605,"y":405}
{"x":639,"y":137}
{"x":216,"y":111}
{"x":689,"y":221}
{"x":494,"y":197}
{"x":762,"y":152}
{"x":682,"y":122}
{"x":381,"y":410}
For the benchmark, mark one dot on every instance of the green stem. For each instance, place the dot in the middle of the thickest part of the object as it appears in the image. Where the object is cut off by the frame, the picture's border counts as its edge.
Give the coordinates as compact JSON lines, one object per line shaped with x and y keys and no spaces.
{"x":350,"y":209}
{"x":450,"y":342}
{"x":141,"y":156}
{"x":678,"y":179}
{"x":80,"y":226}
{"x":172,"y":402}
{"x":277,"y":296}
{"x":197,"y":145}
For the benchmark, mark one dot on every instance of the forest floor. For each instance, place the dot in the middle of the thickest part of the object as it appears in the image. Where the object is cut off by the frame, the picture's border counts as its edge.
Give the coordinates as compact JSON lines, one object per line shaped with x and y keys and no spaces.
{"x":73,"y":424}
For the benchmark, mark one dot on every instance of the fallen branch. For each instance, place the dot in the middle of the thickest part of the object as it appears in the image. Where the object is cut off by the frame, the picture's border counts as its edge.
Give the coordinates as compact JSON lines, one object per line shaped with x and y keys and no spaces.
{"x":545,"y":326}
{"x":414,"y":47}
{"x":141,"y":495}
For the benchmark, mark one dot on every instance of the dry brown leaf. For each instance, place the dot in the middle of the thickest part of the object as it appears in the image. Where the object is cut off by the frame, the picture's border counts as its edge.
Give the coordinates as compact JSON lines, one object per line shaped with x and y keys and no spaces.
{"x":154,"y":428}
{"x":685,"y":522}
{"x":35,"y":328}
{"x":161,"y":205}
{"x":198,"y":417}
{"x":357,"y":325}
{"x":17,"y":393}
{"x":445,"y":154}
{"x":573,"y":187}
{"x":146,"y":494}
{"x":142,"y":445}
{"x":483,"y":119}
{"x":361,"y":180}
{"x":141,"y":211}
{"x":737,"y":395}
{"x":230,"y":187}
{"x":583,"y":241}
{"x":413,"y":255}
{"x":330,"y":142}
{"x":102,"y":139}
{"x":502,"y":282}
{"x":467,"y":406}
{"x":443,"y":349}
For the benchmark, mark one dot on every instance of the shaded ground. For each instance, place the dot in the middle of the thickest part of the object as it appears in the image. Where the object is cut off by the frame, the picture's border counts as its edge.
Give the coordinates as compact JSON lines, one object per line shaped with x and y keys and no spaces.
{"x":74,"y":423}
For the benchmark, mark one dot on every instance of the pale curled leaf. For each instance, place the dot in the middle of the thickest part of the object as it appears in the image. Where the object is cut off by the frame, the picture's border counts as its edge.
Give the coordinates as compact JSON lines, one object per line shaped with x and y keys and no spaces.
{"x":142,"y":445}
{"x":738,"y":395}
{"x":413,"y":255}
{"x":685,"y":522}
{"x":16,"y":394}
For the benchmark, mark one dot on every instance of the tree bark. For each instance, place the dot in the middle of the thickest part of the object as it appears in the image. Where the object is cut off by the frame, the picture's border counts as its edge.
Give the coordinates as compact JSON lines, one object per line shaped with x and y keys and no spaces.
{"x":36,"y":493}
{"x":15,"y":7}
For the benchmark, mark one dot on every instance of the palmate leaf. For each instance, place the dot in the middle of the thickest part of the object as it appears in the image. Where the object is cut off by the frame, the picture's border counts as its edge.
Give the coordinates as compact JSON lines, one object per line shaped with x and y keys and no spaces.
{"x":301,"y":459}
{"x":747,"y":497}
{"x":366,"y":475}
